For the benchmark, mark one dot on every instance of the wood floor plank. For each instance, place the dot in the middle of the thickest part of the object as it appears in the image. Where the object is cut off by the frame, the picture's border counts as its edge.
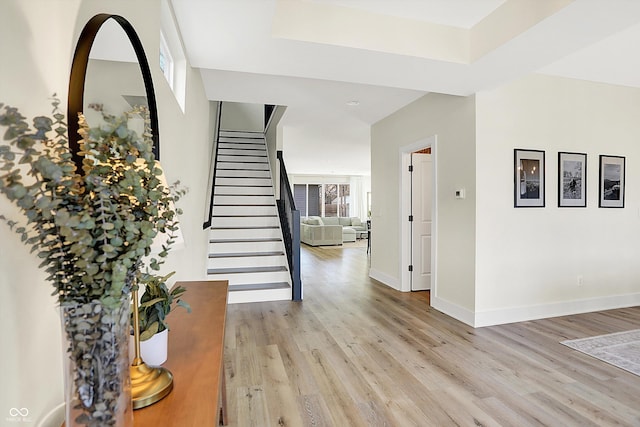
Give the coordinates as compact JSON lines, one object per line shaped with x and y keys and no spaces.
{"x":357,"y":353}
{"x":280,"y":396}
{"x":314,"y":411}
{"x":253,"y":412}
{"x":302,"y":381}
{"x":344,"y":410}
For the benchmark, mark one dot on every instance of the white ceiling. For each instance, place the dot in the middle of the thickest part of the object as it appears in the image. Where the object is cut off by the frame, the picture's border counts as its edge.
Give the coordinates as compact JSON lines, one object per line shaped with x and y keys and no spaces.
{"x":316,"y":55}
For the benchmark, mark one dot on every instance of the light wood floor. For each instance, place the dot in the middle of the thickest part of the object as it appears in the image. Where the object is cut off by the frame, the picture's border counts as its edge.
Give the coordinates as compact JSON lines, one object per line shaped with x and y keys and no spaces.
{"x":357,"y":353}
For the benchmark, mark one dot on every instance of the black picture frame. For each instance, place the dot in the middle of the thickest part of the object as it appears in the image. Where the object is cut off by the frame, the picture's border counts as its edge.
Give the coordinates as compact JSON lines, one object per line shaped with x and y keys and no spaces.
{"x":572,"y":180}
{"x":611,"y":181}
{"x":528,"y":178}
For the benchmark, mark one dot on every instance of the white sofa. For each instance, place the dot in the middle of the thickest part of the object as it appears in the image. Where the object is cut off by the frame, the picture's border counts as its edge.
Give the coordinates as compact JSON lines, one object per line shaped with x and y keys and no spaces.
{"x":319,"y":231}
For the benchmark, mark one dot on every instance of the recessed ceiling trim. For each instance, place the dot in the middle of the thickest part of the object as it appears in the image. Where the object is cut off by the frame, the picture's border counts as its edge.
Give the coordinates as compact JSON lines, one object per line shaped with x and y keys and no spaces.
{"x":511,"y":19}
{"x":337,"y":25}
{"x":343,"y":26}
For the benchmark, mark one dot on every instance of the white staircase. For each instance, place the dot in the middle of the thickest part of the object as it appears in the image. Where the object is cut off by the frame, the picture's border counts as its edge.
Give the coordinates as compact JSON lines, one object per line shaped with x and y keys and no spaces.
{"x":245,"y":239}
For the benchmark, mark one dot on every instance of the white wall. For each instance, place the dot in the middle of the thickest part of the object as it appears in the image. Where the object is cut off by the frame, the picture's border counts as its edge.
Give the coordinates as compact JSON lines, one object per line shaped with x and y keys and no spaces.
{"x":36,"y":56}
{"x":242,"y":116}
{"x":30,"y":340}
{"x":528,"y":260}
{"x":273,"y":141}
{"x":452,"y":120}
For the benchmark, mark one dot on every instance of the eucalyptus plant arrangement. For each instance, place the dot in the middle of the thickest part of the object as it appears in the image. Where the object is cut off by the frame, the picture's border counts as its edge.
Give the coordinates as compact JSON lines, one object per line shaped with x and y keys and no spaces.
{"x":91,"y":229}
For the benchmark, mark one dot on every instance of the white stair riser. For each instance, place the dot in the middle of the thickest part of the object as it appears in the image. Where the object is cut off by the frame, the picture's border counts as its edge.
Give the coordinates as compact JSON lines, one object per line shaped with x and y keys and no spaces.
{"x":255,"y":261}
{"x":242,"y":152}
{"x":240,"y":134}
{"x":259,"y":295}
{"x":233,"y":247}
{"x":243,"y":200}
{"x":242,"y":146}
{"x":242,"y":158}
{"x":227,"y":173}
{"x":245,"y":210}
{"x":246,"y":221}
{"x":244,"y":181}
{"x":251,"y":278}
{"x":244,"y":166}
{"x":263,"y":191}
{"x":245,"y":233}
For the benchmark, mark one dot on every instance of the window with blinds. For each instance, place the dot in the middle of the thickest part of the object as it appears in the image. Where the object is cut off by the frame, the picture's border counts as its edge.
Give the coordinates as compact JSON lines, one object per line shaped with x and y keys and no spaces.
{"x":322,"y":199}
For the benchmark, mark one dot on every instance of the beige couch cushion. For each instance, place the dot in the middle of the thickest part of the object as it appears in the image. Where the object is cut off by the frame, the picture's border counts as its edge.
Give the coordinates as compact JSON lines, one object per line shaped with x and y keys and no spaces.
{"x":344,"y":221}
{"x":330,"y":220}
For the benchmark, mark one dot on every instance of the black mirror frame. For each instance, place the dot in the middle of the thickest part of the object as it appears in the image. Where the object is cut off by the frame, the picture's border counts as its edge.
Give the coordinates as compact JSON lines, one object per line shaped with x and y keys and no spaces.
{"x":75,"y":103}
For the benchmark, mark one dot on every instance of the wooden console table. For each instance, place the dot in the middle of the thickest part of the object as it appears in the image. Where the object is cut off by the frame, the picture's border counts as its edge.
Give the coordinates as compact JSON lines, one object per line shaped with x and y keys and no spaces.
{"x":195,"y":358}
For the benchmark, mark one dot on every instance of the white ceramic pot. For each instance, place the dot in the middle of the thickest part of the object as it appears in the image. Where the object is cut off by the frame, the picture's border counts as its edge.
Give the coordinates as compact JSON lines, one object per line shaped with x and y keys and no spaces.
{"x":154,"y":350}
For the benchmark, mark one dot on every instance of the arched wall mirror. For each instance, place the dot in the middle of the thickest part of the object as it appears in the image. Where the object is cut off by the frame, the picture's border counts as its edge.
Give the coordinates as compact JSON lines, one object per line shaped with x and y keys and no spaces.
{"x":104,"y":71}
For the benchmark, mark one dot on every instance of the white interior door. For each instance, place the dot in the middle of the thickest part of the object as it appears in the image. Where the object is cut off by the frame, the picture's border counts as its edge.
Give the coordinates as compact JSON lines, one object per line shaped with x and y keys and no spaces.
{"x":421,"y":200}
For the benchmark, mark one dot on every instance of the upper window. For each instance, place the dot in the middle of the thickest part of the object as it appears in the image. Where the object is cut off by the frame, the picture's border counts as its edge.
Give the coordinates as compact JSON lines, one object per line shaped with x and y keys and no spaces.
{"x":173,"y":62}
{"x":166,"y":60}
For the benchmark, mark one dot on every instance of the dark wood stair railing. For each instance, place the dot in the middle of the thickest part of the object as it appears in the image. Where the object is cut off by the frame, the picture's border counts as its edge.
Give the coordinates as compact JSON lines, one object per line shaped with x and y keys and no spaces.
{"x":214,"y":165}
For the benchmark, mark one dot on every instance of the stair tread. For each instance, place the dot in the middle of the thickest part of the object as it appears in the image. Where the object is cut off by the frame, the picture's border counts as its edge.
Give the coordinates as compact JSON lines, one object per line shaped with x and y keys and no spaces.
{"x":244,"y":177}
{"x":257,"y":143}
{"x":243,"y":204}
{"x":245,"y":216}
{"x":242,"y":146}
{"x":247,"y":227}
{"x":232,"y":270}
{"x":243,"y":169}
{"x":247,"y":240}
{"x":242,"y":160}
{"x":224,"y":164}
{"x":246,"y":254}
{"x":258,"y":286}
{"x":242,"y":185}
{"x":242,"y":195}
{"x":240,"y":155}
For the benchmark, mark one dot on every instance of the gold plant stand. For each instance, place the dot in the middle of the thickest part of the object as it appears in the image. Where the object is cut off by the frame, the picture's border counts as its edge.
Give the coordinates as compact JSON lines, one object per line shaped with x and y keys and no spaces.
{"x":149,"y":384}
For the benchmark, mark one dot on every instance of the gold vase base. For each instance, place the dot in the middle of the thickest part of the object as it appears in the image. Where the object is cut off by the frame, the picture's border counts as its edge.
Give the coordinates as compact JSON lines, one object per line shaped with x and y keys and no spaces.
{"x":149,"y":384}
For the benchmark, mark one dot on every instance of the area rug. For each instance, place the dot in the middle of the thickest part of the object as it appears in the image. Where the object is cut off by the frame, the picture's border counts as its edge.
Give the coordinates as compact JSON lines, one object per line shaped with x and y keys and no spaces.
{"x":621,"y":349}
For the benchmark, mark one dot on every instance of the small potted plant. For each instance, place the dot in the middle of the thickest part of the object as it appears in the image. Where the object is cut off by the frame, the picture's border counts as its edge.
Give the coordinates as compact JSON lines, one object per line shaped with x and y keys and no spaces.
{"x":156,"y":303}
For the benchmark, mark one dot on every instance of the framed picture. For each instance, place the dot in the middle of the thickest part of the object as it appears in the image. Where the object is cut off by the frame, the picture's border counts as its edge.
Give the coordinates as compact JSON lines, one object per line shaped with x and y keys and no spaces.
{"x":572,"y":180}
{"x":611,"y":182}
{"x":528,"y":178}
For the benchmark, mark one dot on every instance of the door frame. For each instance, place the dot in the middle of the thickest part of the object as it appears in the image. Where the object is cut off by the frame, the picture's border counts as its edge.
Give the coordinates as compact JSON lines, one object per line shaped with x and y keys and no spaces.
{"x":405,"y":209}
{"x":417,"y":190}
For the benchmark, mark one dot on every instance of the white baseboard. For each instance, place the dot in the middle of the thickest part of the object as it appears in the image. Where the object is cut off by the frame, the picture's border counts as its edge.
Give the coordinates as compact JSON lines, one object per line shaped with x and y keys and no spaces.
{"x":543,"y":311}
{"x":384,"y":278}
{"x":53,"y":418}
{"x":450,"y":309}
